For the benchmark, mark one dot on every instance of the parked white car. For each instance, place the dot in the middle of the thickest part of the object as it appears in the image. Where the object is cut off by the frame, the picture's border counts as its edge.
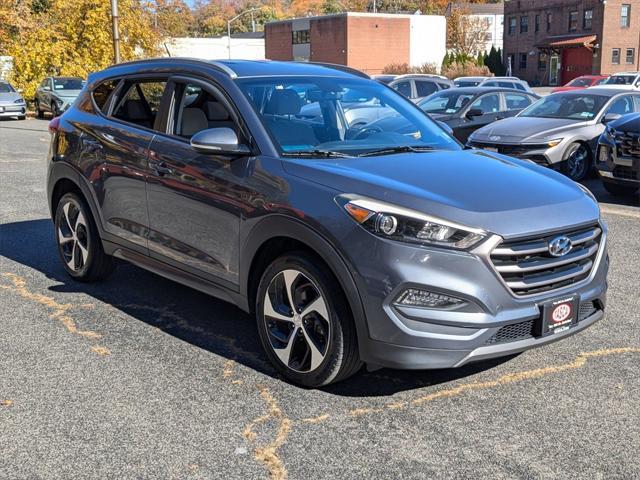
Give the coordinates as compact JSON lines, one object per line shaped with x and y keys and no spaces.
{"x":469,"y":81}
{"x":623,"y":81}
{"x":507,"y":82}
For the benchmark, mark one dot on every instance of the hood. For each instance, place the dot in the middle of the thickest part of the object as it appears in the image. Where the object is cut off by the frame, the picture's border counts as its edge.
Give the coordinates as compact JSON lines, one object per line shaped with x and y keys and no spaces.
{"x":566,"y":89}
{"x":518,"y":129}
{"x":617,"y":86}
{"x":67,"y":93}
{"x":442,"y":117}
{"x":627,"y":123}
{"x":9,"y":97}
{"x":502,"y":195}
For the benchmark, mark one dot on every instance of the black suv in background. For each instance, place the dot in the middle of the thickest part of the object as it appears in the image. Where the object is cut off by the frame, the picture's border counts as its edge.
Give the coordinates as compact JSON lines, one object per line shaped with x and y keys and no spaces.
{"x":619,"y":155}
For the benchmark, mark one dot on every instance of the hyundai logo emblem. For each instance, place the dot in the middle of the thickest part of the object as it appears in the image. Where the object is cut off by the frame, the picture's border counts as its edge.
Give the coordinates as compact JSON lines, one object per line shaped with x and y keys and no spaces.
{"x":494,"y":138}
{"x":560,"y":246}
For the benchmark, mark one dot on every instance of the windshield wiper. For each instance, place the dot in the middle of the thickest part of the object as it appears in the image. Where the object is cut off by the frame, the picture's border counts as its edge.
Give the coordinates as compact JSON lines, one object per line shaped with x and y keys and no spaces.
{"x":316,"y":153}
{"x":399,"y":149}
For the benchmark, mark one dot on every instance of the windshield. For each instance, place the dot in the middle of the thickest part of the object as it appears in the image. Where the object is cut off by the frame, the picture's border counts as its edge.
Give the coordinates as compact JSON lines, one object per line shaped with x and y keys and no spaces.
{"x":312,"y":116}
{"x":448,"y":102}
{"x":67,"y":83}
{"x":568,"y":106}
{"x":6,"y":88}
{"x":466,"y":83}
{"x":620,"y":80}
{"x":579,"y":82}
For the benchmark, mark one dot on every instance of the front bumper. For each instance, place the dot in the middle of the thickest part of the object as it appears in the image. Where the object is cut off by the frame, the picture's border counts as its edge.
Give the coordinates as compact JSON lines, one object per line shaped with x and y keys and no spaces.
{"x":541,"y":154}
{"x":496,"y":323}
{"x":13,"y":109}
{"x":616,"y":169}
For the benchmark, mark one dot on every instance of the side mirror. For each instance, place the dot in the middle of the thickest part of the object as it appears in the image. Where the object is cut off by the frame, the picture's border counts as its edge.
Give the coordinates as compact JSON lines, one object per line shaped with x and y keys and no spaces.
{"x":221,"y":141}
{"x":474,"y":112}
{"x":610,"y":117}
{"x":446,"y":127}
{"x":20,"y":91}
{"x":47,"y":88}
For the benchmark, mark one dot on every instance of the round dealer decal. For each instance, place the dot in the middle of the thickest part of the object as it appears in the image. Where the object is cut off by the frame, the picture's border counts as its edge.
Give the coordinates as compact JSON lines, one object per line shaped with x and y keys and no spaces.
{"x":561,"y":312}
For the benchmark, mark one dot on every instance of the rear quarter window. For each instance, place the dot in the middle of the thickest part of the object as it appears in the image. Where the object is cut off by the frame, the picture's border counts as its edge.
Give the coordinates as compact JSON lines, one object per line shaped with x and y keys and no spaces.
{"x":102,"y":93}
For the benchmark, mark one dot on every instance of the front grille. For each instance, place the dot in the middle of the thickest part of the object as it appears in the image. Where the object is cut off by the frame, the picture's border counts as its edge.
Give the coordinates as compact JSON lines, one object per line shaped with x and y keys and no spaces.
{"x":513,"y":150}
{"x":624,"y":172}
{"x":530,"y":328}
{"x":627,"y":144}
{"x":527,"y":267}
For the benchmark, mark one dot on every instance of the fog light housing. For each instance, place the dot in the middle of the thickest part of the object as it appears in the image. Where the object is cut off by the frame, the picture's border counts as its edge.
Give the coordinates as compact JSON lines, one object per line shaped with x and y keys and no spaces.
{"x":603,"y":154}
{"x":416,"y":297}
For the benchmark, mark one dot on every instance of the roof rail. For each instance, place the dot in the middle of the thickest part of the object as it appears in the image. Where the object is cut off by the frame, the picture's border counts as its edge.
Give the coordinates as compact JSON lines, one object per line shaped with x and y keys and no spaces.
{"x":225,"y":68}
{"x":219,"y":65}
{"x":342,"y":68}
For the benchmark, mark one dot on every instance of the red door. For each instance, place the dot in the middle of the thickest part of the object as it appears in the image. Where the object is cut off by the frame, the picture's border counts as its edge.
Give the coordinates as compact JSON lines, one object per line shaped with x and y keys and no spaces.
{"x":576,"y":61}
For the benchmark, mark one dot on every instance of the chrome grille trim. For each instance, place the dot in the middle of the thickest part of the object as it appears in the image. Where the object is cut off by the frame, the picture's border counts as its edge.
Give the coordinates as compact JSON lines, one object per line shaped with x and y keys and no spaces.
{"x":527,"y":268}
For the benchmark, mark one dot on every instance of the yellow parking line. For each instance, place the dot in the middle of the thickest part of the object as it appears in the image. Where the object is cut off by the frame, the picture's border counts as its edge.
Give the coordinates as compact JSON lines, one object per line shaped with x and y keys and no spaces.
{"x":623,"y":212}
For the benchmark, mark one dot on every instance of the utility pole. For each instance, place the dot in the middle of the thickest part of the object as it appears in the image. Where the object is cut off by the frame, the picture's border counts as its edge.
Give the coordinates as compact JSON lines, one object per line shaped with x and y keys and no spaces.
{"x":251,"y":10}
{"x":116,"y":33}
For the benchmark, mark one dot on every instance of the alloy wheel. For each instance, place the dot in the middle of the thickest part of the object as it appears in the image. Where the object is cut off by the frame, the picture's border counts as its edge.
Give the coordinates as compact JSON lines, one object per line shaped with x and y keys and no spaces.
{"x":578,"y":163}
{"x":73,"y":237}
{"x":297,"y":321}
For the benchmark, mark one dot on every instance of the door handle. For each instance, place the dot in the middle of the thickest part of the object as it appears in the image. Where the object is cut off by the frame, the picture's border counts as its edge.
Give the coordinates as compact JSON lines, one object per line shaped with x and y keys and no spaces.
{"x":160,"y":168}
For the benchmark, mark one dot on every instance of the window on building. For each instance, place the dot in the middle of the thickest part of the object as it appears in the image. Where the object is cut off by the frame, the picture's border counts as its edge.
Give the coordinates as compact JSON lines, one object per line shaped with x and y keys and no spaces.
{"x":587,"y":19}
{"x":549,"y":21}
{"x":630,"y":57}
{"x":615,"y":56}
{"x":573,"y":21}
{"x":537,"y":27}
{"x":522,"y":64}
{"x":625,"y":15}
{"x":542,"y":61}
{"x":512,"y":25}
{"x":300,"y":36}
{"x":524,"y":24}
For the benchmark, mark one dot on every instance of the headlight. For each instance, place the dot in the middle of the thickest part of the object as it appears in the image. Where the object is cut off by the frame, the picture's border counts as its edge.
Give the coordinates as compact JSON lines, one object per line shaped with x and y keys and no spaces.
{"x":20,"y":100}
{"x":554,"y":143}
{"x":610,"y":132}
{"x":405,"y":225}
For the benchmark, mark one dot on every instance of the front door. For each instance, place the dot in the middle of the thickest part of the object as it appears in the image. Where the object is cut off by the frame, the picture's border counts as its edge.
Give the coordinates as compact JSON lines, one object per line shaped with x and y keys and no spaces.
{"x":488,"y":108}
{"x":553,"y":69}
{"x":196,"y":200}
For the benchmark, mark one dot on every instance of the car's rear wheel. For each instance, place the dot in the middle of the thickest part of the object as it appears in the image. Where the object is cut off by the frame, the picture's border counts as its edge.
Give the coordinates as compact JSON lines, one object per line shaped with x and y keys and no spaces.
{"x":39,"y":111}
{"x":79,"y":245}
{"x":619,"y":190}
{"x":577,"y":161}
{"x":304,"y":323}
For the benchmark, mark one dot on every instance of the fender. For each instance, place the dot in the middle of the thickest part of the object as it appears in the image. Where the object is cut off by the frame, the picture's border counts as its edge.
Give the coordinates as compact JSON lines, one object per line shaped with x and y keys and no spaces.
{"x":283,"y":226}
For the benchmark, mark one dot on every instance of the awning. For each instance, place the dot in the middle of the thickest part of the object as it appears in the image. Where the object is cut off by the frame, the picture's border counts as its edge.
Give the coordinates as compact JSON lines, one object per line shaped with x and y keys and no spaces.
{"x":587,"y":41}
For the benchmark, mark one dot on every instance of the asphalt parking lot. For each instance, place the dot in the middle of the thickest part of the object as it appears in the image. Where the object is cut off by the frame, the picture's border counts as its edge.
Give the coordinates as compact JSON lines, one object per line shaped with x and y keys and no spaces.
{"x":140,"y":377}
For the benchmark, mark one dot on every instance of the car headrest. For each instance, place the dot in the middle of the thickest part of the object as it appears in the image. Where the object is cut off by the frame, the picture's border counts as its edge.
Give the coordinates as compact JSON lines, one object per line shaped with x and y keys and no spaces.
{"x":135,"y":110}
{"x":284,"y":102}
{"x":216,"y":112}
{"x":193,"y":120}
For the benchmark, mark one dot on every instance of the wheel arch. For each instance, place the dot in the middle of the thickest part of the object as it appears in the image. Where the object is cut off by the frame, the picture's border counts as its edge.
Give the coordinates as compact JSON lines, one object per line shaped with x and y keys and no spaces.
{"x":276,"y":235}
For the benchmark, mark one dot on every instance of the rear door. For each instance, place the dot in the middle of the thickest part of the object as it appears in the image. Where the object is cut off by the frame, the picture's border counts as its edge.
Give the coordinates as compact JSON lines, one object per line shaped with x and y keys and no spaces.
{"x":116,"y":144}
{"x":424,"y":88}
{"x":196,"y":201}
{"x":514,"y":103}
{"x":404,"y":87}
{"x":489,"y":105}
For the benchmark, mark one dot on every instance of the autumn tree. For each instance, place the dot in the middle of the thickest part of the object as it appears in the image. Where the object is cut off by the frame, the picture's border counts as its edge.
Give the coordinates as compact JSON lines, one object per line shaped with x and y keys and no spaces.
{"x":466,"y":34}
{"x":172,"y":18}
{"x":73,"y":37}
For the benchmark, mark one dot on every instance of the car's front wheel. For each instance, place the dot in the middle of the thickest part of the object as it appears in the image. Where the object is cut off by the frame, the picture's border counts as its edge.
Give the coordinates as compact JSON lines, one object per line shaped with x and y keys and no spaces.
{"x":39,"y":111}
{"x":619,"y":190}
{"x":304,"y":323}
{"x":79,"y":245}
{"x":577,"y":162}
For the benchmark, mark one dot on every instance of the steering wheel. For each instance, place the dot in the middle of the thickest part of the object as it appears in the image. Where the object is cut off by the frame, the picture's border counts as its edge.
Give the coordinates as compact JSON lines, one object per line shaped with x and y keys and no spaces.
{"x":366,"y":132}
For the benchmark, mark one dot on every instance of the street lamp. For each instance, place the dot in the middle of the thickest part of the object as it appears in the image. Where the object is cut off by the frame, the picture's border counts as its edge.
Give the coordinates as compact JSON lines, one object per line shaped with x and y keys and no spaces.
{"x":251,"y":10}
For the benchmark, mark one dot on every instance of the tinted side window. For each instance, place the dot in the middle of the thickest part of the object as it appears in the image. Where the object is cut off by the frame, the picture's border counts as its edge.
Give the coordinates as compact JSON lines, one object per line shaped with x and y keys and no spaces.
{"x":139,"y":103}
{"x":505,"y":84}
{"x":102,"y":92}
{"x":519,"y":86}
{"x":490,"y":84}
{"x":516,"y":101}
{"x":424,"y":88}
{"x":199,"y":110}
{"x":404,"y":88}
{"x":622,"y":106}
{"x":487,"y":103}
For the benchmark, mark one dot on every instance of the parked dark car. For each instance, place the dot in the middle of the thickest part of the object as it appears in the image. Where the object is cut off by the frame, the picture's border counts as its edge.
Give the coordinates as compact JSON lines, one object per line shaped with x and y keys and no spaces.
{"x":56,"y":94}
{"x":348,"y":245}
{"x":619,"y":155}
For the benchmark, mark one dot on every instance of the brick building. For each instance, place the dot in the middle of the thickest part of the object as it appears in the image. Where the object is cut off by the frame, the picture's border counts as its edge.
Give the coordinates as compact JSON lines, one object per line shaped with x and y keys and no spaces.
{"x":550,"y":42}
{"x":365,"y":41}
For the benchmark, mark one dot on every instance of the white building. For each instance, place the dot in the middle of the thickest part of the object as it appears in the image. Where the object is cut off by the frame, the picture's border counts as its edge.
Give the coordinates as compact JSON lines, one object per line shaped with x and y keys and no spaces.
{"x":491,"y":14}
{"x":246,"y":46}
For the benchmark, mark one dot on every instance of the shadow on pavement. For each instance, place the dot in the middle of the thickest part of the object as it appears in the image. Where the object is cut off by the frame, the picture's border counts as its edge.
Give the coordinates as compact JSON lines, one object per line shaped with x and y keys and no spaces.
{"x":595,"y":186}
{"x":194,"y":317}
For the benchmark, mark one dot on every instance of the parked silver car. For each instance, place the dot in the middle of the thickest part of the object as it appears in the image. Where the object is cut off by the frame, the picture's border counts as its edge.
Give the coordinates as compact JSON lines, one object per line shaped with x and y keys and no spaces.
{"x":11,"y":102}
{"x":418,"y":86}
{"x":560,"y":130}
{"x":55,"y":94}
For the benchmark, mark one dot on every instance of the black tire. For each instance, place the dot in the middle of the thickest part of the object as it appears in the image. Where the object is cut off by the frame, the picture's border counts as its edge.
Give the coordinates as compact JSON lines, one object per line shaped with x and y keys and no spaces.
{"x":22,"y":117}
{"x":39,"y":112}
{"x":619,"y":190}
{"x":577,"y":161}
{"x":339,"y":343}
{"x":78,"y":241}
